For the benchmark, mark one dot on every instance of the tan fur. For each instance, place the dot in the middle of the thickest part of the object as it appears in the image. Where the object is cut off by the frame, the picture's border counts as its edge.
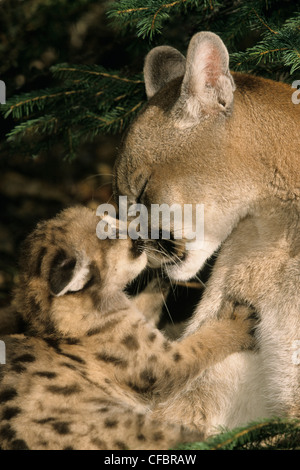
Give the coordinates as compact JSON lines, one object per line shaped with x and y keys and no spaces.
{"x":90,"y":371}
{"x":235,"y":150}
{"x":9,"y":321}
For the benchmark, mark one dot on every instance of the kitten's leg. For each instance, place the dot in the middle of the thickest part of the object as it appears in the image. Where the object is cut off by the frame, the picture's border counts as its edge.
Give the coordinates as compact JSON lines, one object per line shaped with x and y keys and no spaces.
{"x":131,"y":430}
{"x":162,"y":367}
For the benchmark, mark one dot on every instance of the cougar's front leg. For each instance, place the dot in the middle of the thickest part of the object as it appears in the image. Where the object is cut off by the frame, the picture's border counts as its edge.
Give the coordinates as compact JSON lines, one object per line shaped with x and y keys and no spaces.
{"x":210,"y":306}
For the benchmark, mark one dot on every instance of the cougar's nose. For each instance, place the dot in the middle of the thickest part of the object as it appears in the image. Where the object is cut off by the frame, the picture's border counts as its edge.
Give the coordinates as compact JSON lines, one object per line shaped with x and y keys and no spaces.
{"x":138,"y":247}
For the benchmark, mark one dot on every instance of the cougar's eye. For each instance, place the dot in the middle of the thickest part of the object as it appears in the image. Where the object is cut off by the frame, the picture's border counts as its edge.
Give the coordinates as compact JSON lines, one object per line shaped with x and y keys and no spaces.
{"x":142,"y":191}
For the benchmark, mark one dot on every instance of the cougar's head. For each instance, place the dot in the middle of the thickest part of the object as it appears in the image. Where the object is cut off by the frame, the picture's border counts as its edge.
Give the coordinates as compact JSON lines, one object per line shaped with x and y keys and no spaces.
{"x":179,"y":149}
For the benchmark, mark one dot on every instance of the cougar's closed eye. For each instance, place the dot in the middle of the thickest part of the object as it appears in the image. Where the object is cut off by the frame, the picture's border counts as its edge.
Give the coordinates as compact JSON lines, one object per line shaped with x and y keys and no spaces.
{"x":142,"y":191}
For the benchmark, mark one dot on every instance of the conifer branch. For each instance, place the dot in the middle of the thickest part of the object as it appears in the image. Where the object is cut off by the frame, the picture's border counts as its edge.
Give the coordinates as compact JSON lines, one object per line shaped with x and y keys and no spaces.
{"x":271,"y":434}
{"x":264,"y":23}
{"x":60,"y":69}
{"x":151,"y":14}
{"x":92,"y":100}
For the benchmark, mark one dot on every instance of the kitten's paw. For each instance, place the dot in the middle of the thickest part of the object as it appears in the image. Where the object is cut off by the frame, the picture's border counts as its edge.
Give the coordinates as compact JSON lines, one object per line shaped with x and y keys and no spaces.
{"x":245,"y":319}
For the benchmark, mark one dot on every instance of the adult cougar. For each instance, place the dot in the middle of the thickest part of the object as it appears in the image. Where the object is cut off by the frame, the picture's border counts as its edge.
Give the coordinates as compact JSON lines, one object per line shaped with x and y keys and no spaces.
{"x":231,"y":142}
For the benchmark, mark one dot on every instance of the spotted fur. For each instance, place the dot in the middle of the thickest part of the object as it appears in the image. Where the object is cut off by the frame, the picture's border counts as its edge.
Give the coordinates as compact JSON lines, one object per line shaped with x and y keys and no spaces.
{"x":91,"y":370}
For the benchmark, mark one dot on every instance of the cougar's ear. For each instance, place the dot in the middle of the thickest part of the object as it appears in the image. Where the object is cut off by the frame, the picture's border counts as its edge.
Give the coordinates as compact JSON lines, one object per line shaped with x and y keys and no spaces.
{"x":68,"y":273}
{"x":207,"y":85}
{"x":162,"y":65}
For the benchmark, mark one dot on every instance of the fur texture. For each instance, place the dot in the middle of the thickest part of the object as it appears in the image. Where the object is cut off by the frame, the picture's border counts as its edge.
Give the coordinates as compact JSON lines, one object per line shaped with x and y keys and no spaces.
{"x":230,"y":142}
{"x":91,"y":371}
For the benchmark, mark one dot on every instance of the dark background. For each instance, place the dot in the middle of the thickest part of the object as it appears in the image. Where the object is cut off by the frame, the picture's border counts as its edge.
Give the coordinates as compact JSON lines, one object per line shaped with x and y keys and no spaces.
{"x":37,"y":187}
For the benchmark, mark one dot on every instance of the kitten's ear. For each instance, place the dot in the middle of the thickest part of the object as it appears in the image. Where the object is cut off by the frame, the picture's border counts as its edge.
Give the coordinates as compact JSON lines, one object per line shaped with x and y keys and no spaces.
{"x":68,"y":273}
{"x":162,"y":64}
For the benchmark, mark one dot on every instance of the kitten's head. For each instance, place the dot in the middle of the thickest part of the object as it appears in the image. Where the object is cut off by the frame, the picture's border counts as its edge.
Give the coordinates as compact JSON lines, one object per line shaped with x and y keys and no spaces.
{"x":69,"y":278}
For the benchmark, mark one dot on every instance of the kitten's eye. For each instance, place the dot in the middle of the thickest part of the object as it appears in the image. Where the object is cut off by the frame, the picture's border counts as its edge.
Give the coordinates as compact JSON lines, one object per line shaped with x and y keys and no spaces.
{"x":68,"y":274}
{"x":61,"y":271}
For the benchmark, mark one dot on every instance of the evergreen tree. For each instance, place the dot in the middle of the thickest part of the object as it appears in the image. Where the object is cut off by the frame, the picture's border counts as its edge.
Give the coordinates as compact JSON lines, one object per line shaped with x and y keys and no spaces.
{"x":263,"y":37}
